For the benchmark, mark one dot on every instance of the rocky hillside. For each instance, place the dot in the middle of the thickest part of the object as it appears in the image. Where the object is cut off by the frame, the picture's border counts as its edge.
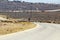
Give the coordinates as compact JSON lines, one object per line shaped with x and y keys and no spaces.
{"x":18,"y":5}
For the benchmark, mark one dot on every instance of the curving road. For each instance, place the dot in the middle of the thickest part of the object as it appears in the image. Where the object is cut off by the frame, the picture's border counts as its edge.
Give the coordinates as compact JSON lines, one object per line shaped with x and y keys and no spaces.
{"x":52,"y":10}
{"x":43,"y":31}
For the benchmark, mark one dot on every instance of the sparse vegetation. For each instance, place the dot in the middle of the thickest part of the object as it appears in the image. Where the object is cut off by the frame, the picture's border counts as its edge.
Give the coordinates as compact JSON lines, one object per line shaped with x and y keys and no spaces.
{"x":35,"y":16}
{"x":7,"y":28}
{"x":17,"y":5}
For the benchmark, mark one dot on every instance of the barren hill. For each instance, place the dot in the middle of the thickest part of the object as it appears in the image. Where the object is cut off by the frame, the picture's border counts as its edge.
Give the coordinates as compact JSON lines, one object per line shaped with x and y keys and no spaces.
{"x":18,"y":5}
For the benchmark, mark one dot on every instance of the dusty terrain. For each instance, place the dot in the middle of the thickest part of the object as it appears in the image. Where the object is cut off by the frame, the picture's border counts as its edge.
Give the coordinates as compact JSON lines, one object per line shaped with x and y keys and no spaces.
{"x":43,"y":31}
{"x":41,"y":16}
{"x":6,"y":28}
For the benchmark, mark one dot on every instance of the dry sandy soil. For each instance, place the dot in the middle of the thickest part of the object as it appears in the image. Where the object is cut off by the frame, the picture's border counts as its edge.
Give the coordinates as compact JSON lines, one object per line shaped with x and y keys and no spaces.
{"x":6,"y":28}
{"x":43,"y":31}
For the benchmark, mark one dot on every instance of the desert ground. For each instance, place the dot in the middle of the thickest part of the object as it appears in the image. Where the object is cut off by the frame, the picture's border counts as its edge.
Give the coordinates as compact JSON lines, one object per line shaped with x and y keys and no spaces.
{"x":7,"y":28}
{"x":43,"y":31}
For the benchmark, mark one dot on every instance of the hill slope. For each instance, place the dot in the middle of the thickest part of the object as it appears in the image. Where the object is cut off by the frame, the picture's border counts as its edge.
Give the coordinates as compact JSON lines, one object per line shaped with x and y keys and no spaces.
{"x":17,"y":5}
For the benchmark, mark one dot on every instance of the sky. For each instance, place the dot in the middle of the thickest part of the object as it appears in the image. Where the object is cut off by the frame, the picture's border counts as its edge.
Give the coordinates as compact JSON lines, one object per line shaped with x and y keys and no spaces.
{"x":44,"y":1}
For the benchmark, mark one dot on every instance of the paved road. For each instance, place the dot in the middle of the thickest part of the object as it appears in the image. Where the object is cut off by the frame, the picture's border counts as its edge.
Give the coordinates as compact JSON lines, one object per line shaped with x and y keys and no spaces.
{"x":33,"y":10}
{"x":52,"y":10}
{"x":43,"y":31}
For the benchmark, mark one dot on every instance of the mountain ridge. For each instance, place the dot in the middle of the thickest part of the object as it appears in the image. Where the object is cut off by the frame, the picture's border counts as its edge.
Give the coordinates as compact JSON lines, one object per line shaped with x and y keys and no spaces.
{"x":18,"y":5}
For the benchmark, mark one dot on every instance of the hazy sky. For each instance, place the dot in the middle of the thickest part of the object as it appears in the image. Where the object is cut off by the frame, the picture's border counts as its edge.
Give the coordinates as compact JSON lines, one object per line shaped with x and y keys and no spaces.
{"x":44,"y":1}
